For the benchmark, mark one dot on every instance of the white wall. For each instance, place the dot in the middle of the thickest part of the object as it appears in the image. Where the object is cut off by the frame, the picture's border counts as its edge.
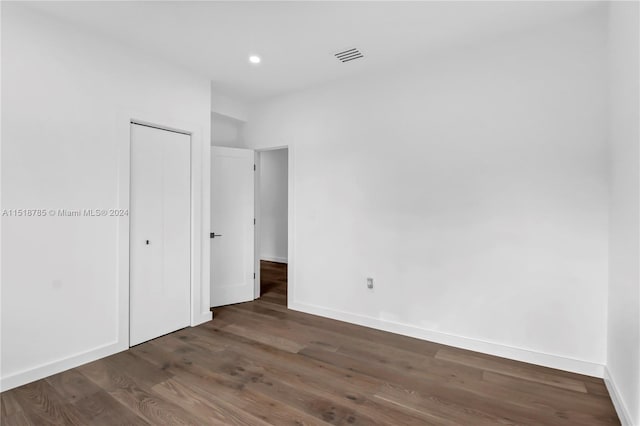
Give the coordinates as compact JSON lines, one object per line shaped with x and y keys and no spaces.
{"x":228,"y":106}
{"x":226,"y":131}
{"x":66,"y":103}
{"x":472,"y":187}
{"x":623,"y":355}
{"x":273,"y":205}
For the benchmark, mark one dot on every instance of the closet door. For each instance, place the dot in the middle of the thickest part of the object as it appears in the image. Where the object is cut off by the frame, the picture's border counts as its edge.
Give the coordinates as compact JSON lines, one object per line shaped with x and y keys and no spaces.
{"x":160,"y":222}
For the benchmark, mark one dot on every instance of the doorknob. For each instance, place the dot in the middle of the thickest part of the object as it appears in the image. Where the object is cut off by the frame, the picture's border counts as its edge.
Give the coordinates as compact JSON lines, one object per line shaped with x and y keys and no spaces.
{"x":213,"y":235}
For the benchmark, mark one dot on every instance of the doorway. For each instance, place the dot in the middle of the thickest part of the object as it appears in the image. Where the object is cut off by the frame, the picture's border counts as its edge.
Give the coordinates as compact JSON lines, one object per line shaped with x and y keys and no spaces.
{"x":272,"y":205}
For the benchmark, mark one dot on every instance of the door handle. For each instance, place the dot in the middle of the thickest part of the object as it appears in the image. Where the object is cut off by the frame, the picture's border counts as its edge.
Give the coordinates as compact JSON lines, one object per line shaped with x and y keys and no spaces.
{"x":213,"y":235}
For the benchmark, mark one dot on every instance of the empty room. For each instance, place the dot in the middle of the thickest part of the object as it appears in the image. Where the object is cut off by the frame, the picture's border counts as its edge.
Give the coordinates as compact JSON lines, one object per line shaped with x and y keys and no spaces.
{"x":310,"y":212}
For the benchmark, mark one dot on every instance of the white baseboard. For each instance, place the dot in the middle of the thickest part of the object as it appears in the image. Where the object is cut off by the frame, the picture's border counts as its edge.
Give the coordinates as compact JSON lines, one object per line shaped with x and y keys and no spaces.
{"x":525,"y":355}
{"x":27,"y":376}
{"x":618,"y":402}
{"x":58,"y":366}
{"x":274,"y":259}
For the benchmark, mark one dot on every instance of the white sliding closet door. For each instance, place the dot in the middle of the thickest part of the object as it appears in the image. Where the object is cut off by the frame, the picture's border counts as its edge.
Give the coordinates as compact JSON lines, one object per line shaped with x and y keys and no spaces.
{"x":160,"y":249}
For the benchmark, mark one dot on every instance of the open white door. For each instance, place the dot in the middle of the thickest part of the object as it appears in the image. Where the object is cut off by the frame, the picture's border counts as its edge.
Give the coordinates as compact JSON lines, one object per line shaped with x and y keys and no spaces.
{"x":232,"y":225}
{"x":160,"y":232}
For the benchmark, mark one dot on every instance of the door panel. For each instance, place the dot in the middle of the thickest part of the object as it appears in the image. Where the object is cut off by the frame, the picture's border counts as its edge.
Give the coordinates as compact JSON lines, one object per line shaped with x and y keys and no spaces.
{"x":160,"y":232}
{"x":232,"y":215}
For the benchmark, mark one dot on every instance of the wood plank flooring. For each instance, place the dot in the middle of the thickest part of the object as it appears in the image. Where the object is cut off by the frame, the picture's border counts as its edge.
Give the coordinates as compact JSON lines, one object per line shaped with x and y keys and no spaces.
{"x":258,"y":363}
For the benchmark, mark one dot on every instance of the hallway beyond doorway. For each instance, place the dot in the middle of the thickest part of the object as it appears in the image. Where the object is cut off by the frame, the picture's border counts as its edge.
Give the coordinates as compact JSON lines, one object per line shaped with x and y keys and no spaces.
{"x":273,"y":282}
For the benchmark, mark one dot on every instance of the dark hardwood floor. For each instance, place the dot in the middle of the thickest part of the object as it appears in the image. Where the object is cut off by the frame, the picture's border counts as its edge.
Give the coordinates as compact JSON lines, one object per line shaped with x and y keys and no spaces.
{"x":258,"y":363}
{"x":273,"y":282}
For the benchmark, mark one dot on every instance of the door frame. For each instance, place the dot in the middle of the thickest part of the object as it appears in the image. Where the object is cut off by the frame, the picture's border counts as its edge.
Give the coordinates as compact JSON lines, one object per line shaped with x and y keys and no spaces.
{"x":199,"y":208}
{"x":290,"y":222}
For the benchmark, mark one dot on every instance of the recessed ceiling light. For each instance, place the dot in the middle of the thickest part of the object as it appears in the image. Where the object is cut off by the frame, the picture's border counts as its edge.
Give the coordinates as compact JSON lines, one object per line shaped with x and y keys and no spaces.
{"x":254,"y":59}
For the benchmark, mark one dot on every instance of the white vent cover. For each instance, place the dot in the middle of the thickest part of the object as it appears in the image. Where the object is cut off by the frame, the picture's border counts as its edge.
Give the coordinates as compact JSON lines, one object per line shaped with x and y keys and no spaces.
{"x":349,"y":55}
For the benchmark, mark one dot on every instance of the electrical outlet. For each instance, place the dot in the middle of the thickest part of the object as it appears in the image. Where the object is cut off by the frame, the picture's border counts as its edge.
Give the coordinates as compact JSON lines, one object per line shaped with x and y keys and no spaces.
{"x":370,"y":283}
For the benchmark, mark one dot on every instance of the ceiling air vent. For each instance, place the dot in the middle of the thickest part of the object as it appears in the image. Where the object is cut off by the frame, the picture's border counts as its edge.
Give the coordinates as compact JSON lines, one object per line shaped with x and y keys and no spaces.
{"x":349,"y":55}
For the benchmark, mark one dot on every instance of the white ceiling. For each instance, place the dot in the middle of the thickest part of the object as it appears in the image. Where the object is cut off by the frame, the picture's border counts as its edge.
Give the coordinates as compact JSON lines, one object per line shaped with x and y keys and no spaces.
{"x":297,"y":40}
